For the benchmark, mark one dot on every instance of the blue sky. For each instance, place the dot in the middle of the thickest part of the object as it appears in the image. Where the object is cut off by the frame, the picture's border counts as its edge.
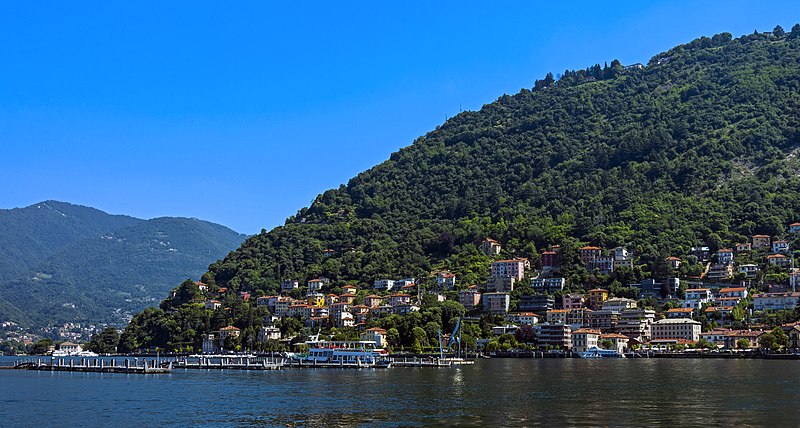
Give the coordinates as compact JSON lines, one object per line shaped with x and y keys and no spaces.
{"x":242,"y":113}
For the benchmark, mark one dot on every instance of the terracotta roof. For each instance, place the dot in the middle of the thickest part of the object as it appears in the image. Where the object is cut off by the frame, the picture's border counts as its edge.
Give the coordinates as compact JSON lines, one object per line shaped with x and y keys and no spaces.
{"x":613,"y":336}
{"x":696,"y":289}
{"x":732,"y":289}
{"x":680,"y":310}
{"x":229,"y":328}
{"x":673,"y":259}
{"x":588,"y":247}
{"x":794,"y":224}
{"x":760,"y":236}
{"x":777,"y":256}
{"x":586,"y":331}
{"x":598,"y":290}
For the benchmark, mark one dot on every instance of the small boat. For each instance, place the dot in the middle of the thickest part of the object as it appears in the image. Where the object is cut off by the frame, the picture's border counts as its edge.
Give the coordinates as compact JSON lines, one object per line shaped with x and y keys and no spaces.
{"x":595,"y":352}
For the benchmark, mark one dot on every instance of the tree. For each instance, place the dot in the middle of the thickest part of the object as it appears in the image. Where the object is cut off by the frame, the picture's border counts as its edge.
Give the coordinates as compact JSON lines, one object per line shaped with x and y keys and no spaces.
{"x":105,"y":342}
{"x":606,"y":344}
{"x":41,"y":347}
{"x":778,"y":31}
{"x":743,"y":343}
{"x":393,"y":337}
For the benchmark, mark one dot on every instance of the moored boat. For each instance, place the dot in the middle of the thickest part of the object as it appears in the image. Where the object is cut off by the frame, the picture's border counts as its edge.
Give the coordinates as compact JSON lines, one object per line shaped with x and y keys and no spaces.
{"x":360,"y":353}
{"x":595,"y":352}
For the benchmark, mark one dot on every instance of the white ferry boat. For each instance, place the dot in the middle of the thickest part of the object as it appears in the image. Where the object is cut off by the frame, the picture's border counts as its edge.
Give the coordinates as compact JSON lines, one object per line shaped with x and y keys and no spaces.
{"x":595,"y":352}
{"x":345,"y":353}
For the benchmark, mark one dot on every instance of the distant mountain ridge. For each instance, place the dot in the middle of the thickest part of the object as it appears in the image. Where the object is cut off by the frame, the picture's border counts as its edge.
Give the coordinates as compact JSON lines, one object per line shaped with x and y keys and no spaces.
{"x":61,"y":262}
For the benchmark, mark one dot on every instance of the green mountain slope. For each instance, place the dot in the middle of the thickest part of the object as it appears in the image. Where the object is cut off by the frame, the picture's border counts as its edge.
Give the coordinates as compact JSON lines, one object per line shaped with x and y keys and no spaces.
{"x":107,"y":269}
{"x":700,"y":146}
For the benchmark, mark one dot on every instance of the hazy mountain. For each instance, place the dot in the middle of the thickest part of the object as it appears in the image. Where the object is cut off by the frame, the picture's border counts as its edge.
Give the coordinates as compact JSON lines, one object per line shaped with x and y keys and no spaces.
{"x":61,"y":262}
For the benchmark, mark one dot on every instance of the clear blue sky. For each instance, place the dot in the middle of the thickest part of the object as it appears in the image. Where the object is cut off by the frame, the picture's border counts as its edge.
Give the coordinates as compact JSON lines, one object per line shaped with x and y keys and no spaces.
{"x":242,"y":112}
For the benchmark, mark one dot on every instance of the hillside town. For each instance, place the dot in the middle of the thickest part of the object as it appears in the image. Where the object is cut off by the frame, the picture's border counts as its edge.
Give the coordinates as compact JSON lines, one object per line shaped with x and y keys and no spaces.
{"x":724,"y":302}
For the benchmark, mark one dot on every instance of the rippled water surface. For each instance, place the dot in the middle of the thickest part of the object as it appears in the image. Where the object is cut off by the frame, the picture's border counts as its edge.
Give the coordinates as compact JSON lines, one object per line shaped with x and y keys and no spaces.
{"x":494,"y":392}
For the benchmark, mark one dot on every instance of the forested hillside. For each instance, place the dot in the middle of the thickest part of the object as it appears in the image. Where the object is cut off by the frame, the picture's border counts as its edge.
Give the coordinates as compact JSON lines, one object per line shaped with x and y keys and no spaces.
{"x":69,"y":263}
{"x":699,"y":146}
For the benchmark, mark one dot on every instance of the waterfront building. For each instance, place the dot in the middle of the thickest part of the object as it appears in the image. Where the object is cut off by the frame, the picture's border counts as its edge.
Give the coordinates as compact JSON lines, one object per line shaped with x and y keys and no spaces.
{"x":636,"y":323}
{"x":619,"y":342}
{"x":554,"y":336}
{"x":375,"y":334}
{"x":733,"y":337}
{"x":676,"y":329}
{"x":210,"y":344}
{"x":604,"y":320}
{"x":577,"y":318}
{"x":584,"y":338}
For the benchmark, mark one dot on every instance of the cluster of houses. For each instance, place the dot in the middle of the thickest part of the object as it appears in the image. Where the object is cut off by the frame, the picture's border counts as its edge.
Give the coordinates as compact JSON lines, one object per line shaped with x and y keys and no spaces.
{"x":576,"y":321}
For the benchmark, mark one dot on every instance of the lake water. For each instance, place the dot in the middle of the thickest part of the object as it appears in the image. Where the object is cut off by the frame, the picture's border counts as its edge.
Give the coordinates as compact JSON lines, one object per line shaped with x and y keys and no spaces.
{"x":509,"y":392}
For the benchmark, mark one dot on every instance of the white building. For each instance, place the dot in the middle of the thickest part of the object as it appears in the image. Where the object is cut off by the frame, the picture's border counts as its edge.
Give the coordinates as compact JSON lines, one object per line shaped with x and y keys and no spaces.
{"x":584,"y":338}
{"x":775,"y":301}
{"x":446,"y":281}
{"x":695,"y":298}
{"x":619,"y":304}
{"x":512,"y":268}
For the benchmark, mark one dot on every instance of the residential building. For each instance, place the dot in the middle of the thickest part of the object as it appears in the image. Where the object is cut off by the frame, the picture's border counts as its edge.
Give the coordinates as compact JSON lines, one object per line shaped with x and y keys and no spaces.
{"x":794,"y":228}
{"x":760,"y":241}
{"x":282,"y":306}
{"x":744,"y":247}
{"x":399,"y":299}
{"x":548,"y":285}
{"x":749,"y":270}
{"x":500,"y":283}
{"x":513,"y":268}
{"x":596,"y":298}
{"x":229,"y":331}
{"x":557,"y":316}
{"x":405,"y":309}
{"x":619,"y":304}
{"x":621,"y":253}
{"x":470,"y":297}
{"x":316,"y":299}
{"x":780,"y":246}
{"x":737,"y":292}
{"x":289,"y":285}
{"x":716,"y":336}
{"x":619,"y":342}
{"x":490,"y":247}
{"x":446,"y":280}
{"x":315,"y":285}
{"x":602,"y":264}
{"x":497,"y":303}
{"x":719,"y":272}
{"x":635,"y":323}
{"x":538,"y":303}
{"x":794,"y":279}
{"x":213,"y":304}
{"x":373,"y":300}
{"x":524,"y":318}
{"x":343,"y":319}
{"x":584,"y":339}
{"x":210,"y":344}
{"x":330,"y":299}
{"x":679,"y":328}
{"x":500,"y":330}
{"x":550,"y":259}
{"x":589,"y":254}
{"x":779,"y":260}
{"x":701,"y":253}
{"x":696,"y":297}
{"x":554,"y":336}
{"x":604,"y":320}
{"x":347,"y":298}
{"x":268,"y":333}
{"x":375,"y":334}
{"x":733,"y":337}
{"x":660,"y":290}
{"x":383,"y":284}
{"x":577,"y":318}
{"x":627,"y":263}
{"x":775,"y":301}
{"x":680,"y":313}
{"x":725,"y":256}
{"x":350,"y":289}
{"x":674,"y":262}
{"x":572,"y":301}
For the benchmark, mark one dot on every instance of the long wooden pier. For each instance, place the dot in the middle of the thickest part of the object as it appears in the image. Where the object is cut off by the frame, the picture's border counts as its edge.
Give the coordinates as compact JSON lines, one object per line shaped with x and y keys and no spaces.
{"x":95,"y":365}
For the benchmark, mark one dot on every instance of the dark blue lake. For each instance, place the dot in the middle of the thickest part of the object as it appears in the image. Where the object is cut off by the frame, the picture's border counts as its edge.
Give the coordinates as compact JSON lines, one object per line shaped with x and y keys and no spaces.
{"x":494,"y":392}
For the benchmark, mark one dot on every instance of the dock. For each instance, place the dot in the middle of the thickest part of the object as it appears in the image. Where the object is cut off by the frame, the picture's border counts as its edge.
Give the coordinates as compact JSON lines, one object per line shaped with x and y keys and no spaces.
{"x":95,"y":365}
{"x":231,"y":363}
